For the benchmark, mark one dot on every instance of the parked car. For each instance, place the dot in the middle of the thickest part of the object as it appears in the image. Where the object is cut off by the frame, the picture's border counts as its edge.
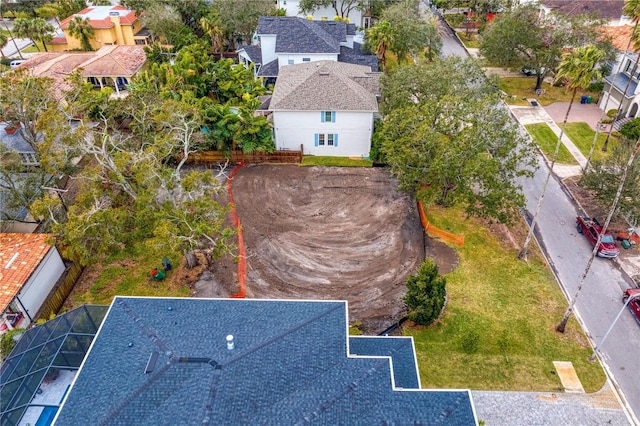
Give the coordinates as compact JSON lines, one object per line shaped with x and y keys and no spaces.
{"x":531,"y":71}
{"x":634,"y":304}
{"x":14,"y":64}
{"x":591,"y":228}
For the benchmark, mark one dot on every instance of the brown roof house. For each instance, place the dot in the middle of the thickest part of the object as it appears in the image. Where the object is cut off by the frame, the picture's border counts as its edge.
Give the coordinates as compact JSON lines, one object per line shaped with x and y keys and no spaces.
{"x":110,"y":66}
{"x":29,"y":269}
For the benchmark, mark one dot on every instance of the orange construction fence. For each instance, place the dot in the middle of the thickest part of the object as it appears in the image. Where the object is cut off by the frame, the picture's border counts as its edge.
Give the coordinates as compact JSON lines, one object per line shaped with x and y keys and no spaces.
{"x":431,"y":229}
{"x":242,"y":261}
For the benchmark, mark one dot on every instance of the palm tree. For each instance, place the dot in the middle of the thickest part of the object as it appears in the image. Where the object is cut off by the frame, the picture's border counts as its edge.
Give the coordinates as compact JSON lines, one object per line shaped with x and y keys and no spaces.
{"x":632,"y":9}
{"x":211,"y":26}
{"x":4,"y":40}
{"x":563,"y":323}
{"x":579,"y":68}
{"x":36,"y":29}
{"x":82,"y":30}
{"x":49,"y":10}
{"x":381,"y":38}
{"x":23,"y":28}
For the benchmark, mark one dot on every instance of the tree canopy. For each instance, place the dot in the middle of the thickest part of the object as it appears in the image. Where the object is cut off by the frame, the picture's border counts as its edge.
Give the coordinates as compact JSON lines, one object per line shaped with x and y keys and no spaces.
{"x":426,"y":294}
{"x":523,"y":38}
{"x":450,"y":140}
{"x":341,"y":7}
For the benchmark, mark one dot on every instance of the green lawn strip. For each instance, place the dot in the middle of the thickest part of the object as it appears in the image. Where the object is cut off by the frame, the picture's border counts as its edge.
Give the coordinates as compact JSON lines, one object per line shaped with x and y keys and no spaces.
{"x":524,"y":87}
{"x":313,"y":160}
{"x":581,"y":134}
{"x":544,"y":137}
{"x":471,"y":42}
{"x":503,"y":305}
{"x":129,"y":274}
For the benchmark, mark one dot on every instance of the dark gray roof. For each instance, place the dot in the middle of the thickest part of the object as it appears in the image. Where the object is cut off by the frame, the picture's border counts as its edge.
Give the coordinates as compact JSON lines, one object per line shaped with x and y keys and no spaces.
{"x":269,"y":70}
{"x":358,"y":57}
{"x":621,"y":80}
{"x":401,"y":351}
{"x":254,"y":53}
{"x":289,"y":365}
{"x":351,"y":29}
{"x":299,"y":35}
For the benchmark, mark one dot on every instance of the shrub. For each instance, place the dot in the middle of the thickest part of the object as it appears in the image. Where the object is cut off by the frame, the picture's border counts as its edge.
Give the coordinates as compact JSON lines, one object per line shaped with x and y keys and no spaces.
{"x":612,"y":113}
{"x":426,"y":293}
{"x":631,"y":129}
{"x":8,"y":342}
{"x":596,"y":87}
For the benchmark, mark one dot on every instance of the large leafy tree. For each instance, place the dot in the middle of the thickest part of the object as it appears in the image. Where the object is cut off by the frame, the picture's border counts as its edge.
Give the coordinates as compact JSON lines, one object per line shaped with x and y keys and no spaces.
{"x":36,"y":29}
{"x":522,"y":37}
{"x":163,"y":22}
{"x":341,"y":7}
{"x":412,"y":33}
{"x":4,"y":40}
{"x":240,"y":17}
{"x":82,"y":30}
{"x":449,"y":139}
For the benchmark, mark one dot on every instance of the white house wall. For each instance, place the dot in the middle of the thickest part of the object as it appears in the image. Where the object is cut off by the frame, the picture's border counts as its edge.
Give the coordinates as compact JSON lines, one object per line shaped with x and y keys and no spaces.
{"x":293,"y":9}
{"x":283,"y":59}
{"x":268,"y":48}
{"x":354,"y":129}
{"x":35,"y":291}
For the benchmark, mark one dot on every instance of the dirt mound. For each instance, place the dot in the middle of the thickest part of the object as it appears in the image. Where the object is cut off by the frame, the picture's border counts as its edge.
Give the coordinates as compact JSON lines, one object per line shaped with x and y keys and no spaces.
{"x":328,"y":233}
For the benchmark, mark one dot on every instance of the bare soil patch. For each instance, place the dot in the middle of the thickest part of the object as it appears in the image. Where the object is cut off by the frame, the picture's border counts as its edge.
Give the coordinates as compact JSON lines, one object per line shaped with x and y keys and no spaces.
{"x":327,"y":233}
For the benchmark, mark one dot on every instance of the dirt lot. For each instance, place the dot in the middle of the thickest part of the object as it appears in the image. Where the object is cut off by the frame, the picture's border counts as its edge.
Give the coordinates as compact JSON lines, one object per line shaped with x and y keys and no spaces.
{"x":325,"y":233}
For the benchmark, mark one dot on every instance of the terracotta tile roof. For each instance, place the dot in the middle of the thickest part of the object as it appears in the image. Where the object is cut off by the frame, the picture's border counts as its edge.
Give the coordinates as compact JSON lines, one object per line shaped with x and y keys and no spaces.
{"x":98,"y":16}
{"x":607,"y":9}
{"x":619,"y":35}
{"x":20,"y":255}
{"x":108,"y":61}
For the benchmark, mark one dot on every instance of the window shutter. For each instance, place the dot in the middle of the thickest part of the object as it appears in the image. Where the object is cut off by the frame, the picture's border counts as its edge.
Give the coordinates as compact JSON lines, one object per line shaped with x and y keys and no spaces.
{"x":333,"y":116}
{"x":316,"y":143}
{"x":322,"y":116}
{"x":335,"y":140}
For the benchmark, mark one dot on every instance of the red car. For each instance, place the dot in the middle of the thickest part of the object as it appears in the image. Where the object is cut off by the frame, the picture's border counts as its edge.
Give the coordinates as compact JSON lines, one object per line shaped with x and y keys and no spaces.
{"x":591,"y":228}
{"x":634,"y":304}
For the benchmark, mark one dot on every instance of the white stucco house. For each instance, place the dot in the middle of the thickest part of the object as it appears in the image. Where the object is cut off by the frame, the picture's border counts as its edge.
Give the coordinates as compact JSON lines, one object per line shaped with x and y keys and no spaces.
{"x":288,"y":40}
{"x":29,"y":269}
{"x":345,"y":8}
{"x":326,"y":107}
{"x":625,"y":93}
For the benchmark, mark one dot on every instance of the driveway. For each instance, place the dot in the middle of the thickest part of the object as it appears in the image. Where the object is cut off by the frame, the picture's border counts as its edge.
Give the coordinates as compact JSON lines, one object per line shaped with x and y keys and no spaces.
{"x":589,"y":113}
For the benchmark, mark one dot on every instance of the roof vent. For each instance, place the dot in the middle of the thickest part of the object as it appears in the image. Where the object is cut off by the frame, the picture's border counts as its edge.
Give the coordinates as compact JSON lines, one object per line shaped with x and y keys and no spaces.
{"x":10,"y":262}
{"x":114,"y":14}
{"x":230,"y":343}
{"x":323,"y":73}
{"x":151,"y":363}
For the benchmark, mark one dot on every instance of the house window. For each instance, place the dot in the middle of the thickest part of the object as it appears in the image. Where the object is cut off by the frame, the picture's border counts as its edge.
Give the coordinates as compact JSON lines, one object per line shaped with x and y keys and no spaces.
{"x":328,"y":116}
{"x":290,"y":62}
{"x":28,"y":158}
{"x":329,"y":139}
{"x":306,"y":59}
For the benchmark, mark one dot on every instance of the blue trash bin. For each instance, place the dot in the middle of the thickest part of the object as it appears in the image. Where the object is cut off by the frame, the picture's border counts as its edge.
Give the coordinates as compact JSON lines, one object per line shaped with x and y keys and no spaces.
{"x":583,"y":99}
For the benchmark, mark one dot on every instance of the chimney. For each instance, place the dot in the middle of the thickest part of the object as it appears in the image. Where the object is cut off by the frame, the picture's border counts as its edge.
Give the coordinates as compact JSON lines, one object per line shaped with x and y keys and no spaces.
{"x":230,"y":343}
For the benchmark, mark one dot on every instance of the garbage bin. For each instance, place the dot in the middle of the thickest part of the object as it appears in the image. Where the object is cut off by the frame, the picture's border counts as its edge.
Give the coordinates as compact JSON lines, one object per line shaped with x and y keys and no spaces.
{"x":583,"y":99}
{"x":589,"y":99}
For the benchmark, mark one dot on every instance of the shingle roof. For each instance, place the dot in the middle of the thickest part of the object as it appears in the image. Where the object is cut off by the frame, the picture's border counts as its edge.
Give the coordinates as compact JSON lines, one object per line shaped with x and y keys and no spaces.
{"x":20,"y":255}
{"x":254,"y":52}
{"x":608,"y":9}
{"x":621,"y":80}
{"x":289,"y":365}
{"x":299,"y":35}
{"x":269,"y":70}
{"x":358,"y":57}
{"x":325,"y":85}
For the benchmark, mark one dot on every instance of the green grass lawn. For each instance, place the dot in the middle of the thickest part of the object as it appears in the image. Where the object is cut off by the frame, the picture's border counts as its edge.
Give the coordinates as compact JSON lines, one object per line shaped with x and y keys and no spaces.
{"x":544,"y":137}
{"x":507,"y":310}
{"x":128,"y":274}
{"x":471,"y":42}
{"x":315,"y":160}
{"x":582,"y":136}
{"x":524,"y":87}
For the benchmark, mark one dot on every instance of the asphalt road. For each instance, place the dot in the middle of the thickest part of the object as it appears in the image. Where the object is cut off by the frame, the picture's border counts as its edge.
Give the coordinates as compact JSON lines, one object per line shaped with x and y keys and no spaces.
{"x":568,"y":252}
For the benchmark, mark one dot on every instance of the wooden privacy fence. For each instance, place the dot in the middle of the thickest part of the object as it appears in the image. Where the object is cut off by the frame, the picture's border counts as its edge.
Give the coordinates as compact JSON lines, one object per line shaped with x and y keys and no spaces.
{"x":430,"y":229}
{"x":60,"y":291}
{"x":212,"y":157}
